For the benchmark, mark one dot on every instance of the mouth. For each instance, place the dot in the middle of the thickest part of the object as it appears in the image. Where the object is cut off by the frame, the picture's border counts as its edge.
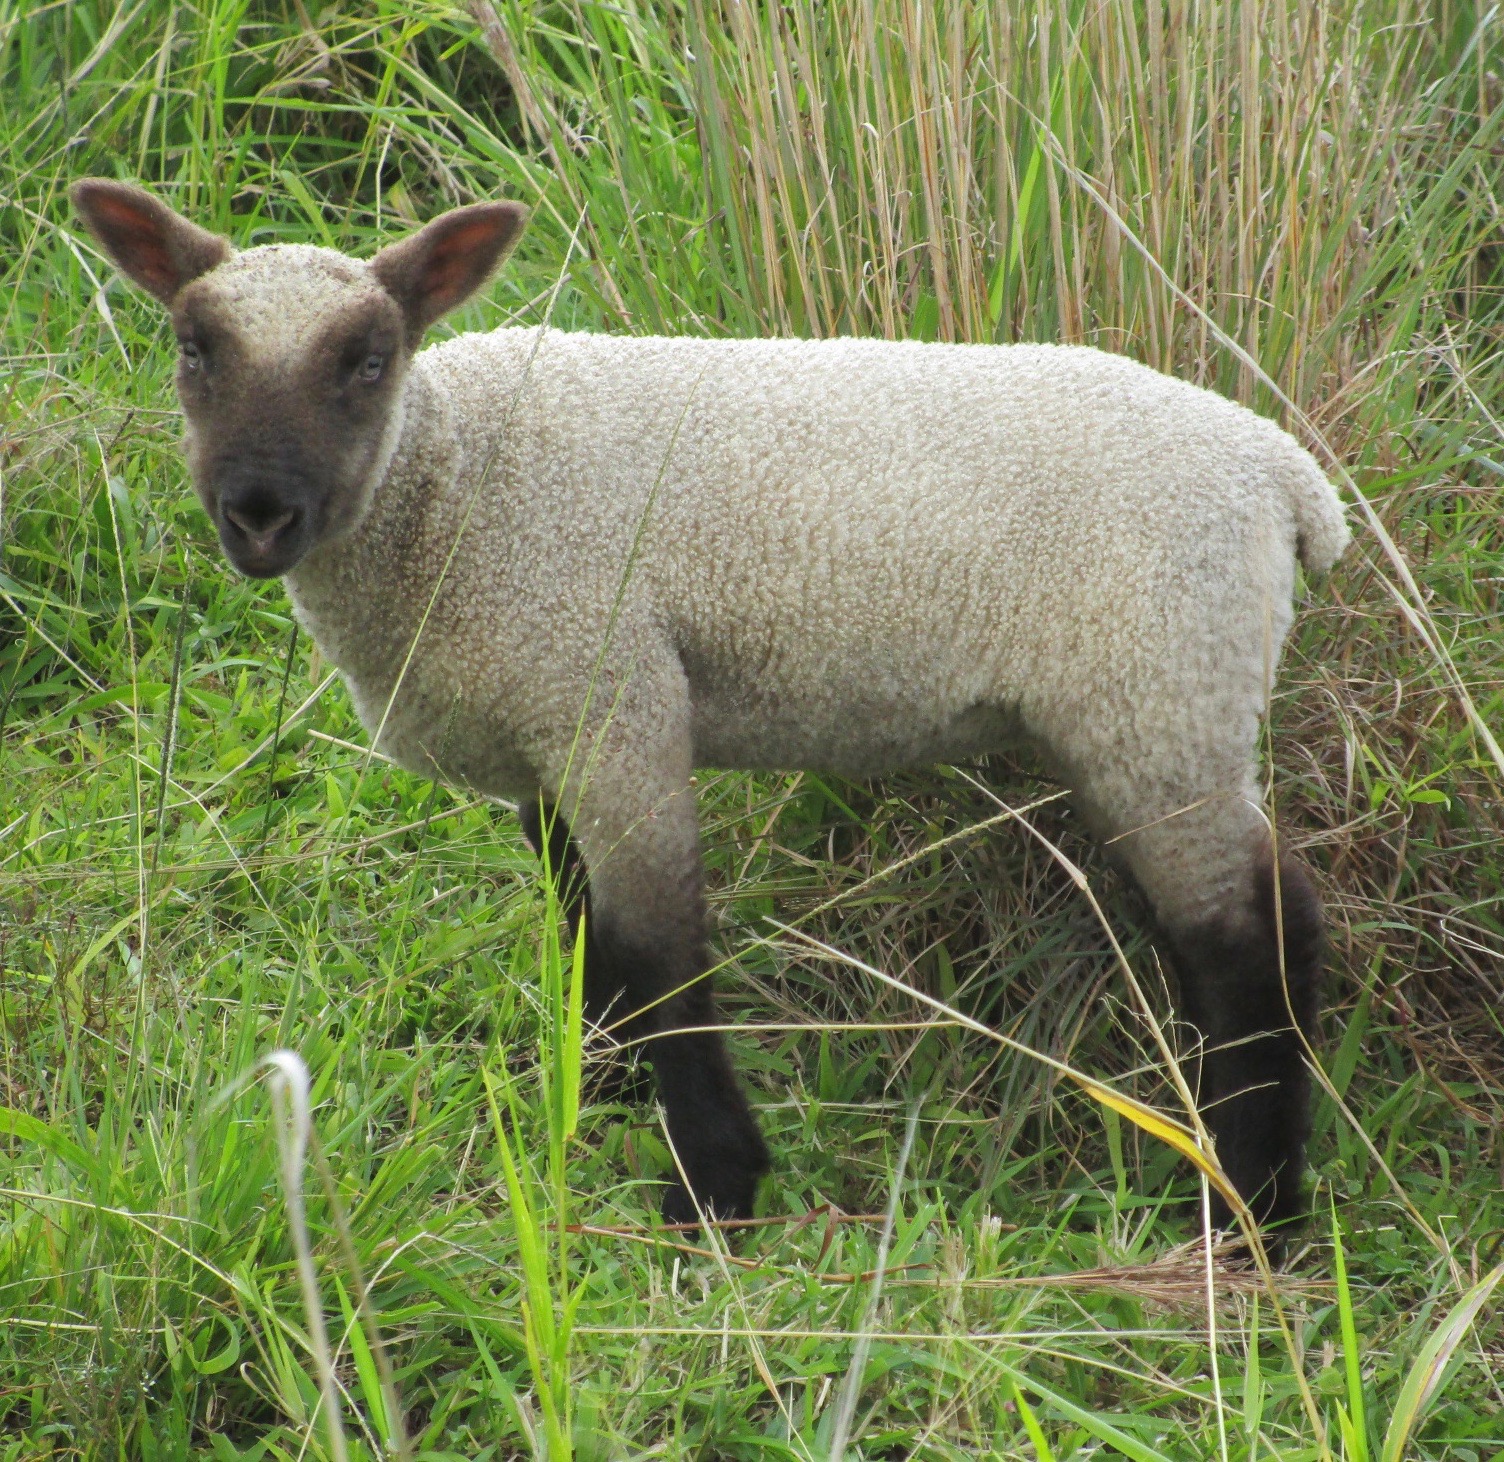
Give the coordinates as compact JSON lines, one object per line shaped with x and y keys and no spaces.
{"x":262,"y":542}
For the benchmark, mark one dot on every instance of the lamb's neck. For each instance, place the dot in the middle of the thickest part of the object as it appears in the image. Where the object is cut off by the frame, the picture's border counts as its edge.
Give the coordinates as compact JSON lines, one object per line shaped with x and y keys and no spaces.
{"x":358,"y":595}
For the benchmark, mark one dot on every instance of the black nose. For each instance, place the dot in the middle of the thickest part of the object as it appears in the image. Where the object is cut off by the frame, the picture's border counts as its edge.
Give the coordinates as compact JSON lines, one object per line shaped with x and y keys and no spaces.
{"x":262,"y":518}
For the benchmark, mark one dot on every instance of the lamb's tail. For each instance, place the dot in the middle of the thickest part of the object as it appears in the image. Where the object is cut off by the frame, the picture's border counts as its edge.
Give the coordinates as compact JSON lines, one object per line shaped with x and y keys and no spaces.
{"x":1321,"y":531}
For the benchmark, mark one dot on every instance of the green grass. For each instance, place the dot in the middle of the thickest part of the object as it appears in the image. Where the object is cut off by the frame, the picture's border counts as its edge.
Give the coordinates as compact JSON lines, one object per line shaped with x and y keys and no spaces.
{"x":201,"y":863}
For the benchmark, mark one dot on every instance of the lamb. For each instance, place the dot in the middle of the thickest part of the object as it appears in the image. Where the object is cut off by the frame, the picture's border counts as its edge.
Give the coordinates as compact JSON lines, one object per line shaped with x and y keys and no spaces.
{"x":568,"y":569}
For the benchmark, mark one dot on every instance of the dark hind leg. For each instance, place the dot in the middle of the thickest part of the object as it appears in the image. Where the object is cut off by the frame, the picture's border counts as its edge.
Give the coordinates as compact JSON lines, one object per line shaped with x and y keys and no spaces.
{"x":1250,"y":980}
{"x":604,"y":990}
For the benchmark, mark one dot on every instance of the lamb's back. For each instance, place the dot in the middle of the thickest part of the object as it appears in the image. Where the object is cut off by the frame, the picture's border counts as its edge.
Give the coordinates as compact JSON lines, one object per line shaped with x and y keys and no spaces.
{"x":844,"y":533}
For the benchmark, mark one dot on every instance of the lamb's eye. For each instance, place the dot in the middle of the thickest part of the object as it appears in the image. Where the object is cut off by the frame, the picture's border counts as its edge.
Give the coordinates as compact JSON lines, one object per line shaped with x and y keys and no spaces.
{"x":371,"y":368}
{"x":192,"y":357}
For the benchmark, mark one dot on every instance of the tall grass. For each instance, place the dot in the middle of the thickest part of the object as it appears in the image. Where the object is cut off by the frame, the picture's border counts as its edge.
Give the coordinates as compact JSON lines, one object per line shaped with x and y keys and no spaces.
{"x":199,"y":862}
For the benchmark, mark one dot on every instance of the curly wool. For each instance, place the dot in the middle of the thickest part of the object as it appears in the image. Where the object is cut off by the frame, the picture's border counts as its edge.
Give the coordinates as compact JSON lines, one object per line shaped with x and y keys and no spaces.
{"x":568,"y":568}
{"x":844,"y":554}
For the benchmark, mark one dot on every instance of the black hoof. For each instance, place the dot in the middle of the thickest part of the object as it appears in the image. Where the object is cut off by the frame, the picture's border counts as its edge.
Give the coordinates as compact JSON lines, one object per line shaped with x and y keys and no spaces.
{"x":1276,"y":1200}
{"x":724,"y":1180}
{"x":734,"y":1201}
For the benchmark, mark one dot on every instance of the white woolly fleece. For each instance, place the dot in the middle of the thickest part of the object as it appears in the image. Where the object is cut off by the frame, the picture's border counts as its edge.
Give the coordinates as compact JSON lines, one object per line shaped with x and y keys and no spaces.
{"x":633,"y":556}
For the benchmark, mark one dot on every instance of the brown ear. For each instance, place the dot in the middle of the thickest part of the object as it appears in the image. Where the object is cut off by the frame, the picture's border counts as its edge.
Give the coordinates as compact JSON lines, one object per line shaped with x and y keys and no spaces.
{"x":446,"y":261}
{"x":151,"y":244}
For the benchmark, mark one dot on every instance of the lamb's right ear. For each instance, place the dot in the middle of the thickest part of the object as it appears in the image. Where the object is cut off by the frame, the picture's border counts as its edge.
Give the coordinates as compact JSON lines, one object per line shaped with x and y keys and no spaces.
{"x":446,"y":261}
{"x":157,"y":248}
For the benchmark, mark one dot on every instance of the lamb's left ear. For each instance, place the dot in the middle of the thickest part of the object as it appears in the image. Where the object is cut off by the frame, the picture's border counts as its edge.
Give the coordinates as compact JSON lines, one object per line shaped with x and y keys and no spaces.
{"x":446,"y":261}
{"x":157,"y":248}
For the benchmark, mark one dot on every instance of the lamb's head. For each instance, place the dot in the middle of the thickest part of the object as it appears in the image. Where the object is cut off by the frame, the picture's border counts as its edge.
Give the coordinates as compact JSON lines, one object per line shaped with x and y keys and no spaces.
{"x":293,"y":358}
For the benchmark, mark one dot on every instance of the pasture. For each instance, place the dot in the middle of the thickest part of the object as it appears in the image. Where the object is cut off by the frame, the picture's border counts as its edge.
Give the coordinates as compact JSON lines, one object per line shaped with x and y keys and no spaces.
{"x":971,"y":1247}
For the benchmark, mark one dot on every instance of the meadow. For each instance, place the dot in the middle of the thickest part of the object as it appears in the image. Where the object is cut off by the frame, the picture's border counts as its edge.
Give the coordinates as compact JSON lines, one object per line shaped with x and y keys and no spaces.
{"x":967,"y":1252}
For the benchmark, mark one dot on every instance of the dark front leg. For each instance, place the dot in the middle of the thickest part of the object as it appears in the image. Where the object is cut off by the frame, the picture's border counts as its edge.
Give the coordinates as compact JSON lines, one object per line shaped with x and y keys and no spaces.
{"x":606,"y":998}
{"x":715,"y":1137}
{"x":1254,"y":1085}
{"x":646,"y":978}
{"x":548,"y":836}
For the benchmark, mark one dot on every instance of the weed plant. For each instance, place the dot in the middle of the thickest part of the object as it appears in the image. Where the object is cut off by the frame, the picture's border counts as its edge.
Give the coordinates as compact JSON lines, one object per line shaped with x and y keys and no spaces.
{"x":201,"y":861}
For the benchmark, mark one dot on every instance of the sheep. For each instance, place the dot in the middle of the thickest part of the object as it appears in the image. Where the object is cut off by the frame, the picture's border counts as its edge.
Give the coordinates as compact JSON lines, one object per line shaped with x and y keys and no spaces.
{"x":567,"y":569}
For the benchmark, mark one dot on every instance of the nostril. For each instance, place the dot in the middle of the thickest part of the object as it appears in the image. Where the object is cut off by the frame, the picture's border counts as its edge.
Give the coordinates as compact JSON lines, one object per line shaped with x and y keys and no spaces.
{"x":261,"y":521}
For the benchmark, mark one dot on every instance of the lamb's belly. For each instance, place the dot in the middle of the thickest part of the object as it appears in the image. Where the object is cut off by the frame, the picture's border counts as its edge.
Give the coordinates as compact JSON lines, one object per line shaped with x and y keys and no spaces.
{"x":856,"y":736}
{"x":862,"y":679}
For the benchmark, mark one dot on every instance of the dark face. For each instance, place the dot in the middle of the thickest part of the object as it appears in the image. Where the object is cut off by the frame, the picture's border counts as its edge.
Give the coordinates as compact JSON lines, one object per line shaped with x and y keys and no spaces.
{"x":293,"y":358}
{"x":290,"y":374}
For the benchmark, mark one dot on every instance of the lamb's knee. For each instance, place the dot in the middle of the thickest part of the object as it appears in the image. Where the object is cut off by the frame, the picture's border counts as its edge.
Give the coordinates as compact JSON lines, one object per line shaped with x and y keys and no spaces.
{"x":1254,"y":963}
{"x":548,"y":836}
{"x":616,"y":1031}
